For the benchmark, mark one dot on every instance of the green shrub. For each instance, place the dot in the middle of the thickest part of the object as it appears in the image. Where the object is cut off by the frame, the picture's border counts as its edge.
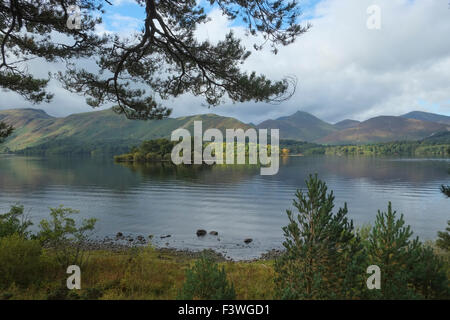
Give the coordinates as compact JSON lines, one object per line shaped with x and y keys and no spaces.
{"x":63,"y":235}
{"x":14,"y":222}
{"x":19,"y":261}
{"x":206,"y":281}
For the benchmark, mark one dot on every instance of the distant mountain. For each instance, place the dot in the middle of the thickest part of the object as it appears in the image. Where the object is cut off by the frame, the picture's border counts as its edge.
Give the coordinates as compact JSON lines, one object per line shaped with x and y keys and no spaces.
{"x":385,"y":129}
{"x":426,"y":116}
{"x":105,"y":131}
{"x":36,"y":129}
{"x":346,"y":124}
{"x":299,"y":126}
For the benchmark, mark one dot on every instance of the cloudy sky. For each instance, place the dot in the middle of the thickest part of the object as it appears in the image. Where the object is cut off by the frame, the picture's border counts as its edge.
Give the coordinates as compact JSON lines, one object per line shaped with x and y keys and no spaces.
{"x":344,"y":69}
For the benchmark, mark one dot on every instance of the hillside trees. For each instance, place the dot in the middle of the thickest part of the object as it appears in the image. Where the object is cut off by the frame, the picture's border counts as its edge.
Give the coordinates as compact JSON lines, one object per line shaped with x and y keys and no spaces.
{"x":5,"y":130}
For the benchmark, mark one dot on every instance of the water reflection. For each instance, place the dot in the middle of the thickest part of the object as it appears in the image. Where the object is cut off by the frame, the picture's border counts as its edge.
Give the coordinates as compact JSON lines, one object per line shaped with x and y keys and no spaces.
{"x":235,"y":200}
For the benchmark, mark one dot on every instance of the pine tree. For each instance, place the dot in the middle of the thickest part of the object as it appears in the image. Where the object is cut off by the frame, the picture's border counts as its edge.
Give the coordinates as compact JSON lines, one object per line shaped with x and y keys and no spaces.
{"x":429,"y":277}
{"x":207,"y":281}
{"x":165,"y":57}
{"x":392,"y":250}
{"x":443,"y":240}
{"x":324,"y":256}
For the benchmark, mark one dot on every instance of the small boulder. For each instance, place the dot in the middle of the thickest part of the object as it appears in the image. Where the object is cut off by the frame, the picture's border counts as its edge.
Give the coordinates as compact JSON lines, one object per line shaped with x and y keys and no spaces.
{"x":247,"y":241}
{"x":201,"y":233}
{"x":119,"y":235}
{"x":214,"y":233}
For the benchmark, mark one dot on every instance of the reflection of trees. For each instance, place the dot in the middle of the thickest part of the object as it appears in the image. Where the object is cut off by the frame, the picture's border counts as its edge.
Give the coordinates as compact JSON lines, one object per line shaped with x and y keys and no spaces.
{"x":34,"y":173}
{"x":194,"y":173}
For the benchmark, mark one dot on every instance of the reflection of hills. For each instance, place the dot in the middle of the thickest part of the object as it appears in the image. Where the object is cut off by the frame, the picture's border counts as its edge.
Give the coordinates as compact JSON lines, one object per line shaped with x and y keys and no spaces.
{"x":34,"y":173}
{"x":379,"y":170}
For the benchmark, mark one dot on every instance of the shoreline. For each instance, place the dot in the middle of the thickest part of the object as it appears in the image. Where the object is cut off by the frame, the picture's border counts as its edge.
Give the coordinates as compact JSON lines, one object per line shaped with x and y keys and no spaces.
{"x":123,"y":245}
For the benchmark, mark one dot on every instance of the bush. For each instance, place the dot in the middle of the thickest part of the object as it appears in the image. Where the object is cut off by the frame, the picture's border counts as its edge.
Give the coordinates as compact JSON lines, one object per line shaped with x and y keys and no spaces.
{"x":324,"y":256}
{"x":206,"y":281}
{"x":63,"y":235}
{"x":19,"y":261}
{"x":14,"y":222}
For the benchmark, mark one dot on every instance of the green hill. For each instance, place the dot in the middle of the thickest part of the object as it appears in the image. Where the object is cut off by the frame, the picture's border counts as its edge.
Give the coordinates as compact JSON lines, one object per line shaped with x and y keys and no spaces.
{"x":106,"y":132}
{"x":37,"y":132}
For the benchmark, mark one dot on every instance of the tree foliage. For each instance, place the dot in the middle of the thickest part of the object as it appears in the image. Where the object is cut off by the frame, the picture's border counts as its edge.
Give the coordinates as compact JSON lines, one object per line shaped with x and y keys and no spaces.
{"x":409,"y":268}
{"x":5,"y":130}
{"x":14,"y":222}
{"x":165,"y":57}
{"x":62,"y":234}
{"x":324,"y":256}
{"x":443,"y":240}
{"x":20,"y":260}
{"x":206,"y":281}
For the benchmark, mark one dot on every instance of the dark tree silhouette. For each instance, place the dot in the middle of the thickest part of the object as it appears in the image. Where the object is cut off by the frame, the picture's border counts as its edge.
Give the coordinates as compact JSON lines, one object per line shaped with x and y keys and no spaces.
{"x":164,"y":57}
{"x":5,"y":131}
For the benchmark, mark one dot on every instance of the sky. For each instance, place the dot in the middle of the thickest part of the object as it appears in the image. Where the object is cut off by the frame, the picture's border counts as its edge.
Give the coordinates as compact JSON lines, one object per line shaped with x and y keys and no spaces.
{"x":345,"y":69}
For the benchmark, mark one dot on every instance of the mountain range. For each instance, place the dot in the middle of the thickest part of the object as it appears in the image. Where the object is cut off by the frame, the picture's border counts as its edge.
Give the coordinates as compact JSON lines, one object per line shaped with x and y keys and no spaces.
{"x":100,"y":130}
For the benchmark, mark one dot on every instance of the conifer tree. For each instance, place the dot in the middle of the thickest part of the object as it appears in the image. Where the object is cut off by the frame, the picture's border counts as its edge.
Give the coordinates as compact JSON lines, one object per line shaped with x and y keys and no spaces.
{"x":429,"y":277}
{"x":392,"y":250}
{"x":443,"y":240}
{"x":164,"y":59}
{"x":207,"y":281}
{"x":324,"y":256}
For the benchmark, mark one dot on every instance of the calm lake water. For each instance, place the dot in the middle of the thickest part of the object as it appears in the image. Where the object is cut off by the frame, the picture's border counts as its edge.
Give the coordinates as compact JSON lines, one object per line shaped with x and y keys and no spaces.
{"x":234,"y":200}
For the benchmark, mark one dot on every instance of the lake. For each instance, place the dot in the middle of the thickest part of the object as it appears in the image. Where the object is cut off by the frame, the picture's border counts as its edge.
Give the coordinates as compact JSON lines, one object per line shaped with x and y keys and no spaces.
{"x":236,"y":201}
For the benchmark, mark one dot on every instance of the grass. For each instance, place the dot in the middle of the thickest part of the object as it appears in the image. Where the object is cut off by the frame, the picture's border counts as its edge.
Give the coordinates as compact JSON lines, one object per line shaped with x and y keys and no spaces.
{"x":141,"y":274}
{"x":147,"y":273}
